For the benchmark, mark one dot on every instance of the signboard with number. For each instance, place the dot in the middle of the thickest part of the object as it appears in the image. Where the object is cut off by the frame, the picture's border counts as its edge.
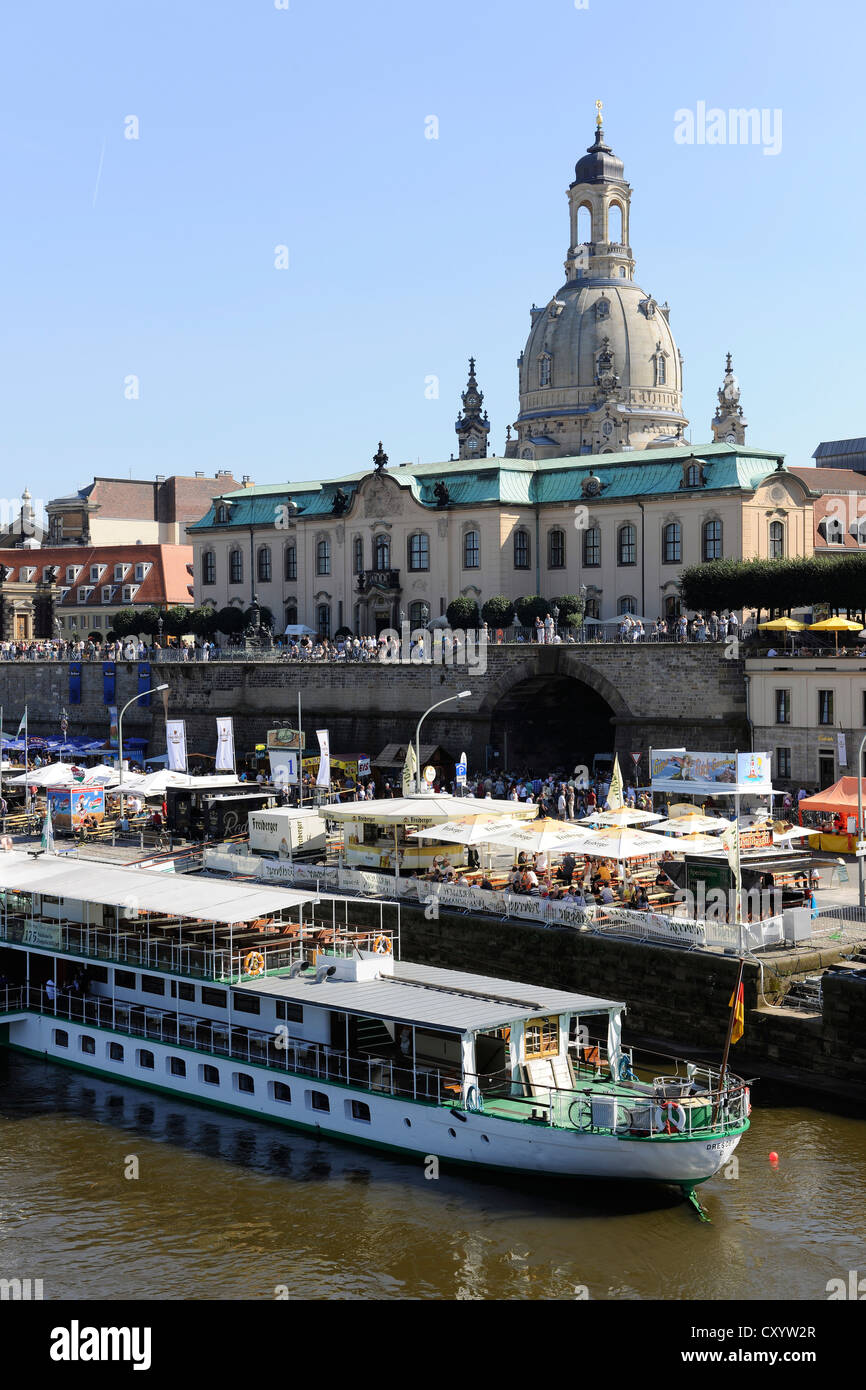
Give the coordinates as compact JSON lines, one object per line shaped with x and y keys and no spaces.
{"x":460,"y":772}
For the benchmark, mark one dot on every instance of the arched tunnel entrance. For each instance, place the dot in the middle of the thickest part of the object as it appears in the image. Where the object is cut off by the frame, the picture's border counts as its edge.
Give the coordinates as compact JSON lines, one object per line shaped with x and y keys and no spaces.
{"x":548,"y":722}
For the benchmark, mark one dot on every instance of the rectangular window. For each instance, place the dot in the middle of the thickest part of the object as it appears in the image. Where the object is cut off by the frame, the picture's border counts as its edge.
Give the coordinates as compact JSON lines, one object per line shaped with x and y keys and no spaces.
{"x":542,"y":1037}
{"x":783,"y":706}
{"x":592,"y":547}
{"x":94,"y":573}
{"x":826,"y":769}
{"x":521,"y":550}
{"x":246,"y":1004}
{"x":114,"y":1052}
{"x":419,"y":552}
{"x":358,"y":1110}
{"x":88,"y":1044}
{"x":783,"y":763}
{"x":61,"y":1037}
{"x":96,"y":620}
{"x":292,"y":562}
{"x":176,"y":1066}
{"x":236,"y":567}
{"x":128,"y":593}
{"x":556,"y":557}
{"x":317,"y":1100}
{"x":825,"y":707}
{"x":209,"y":1074}
{"x":98,"y":973}
{"x":214,"y":997}
{"x":181,"y":990}
{"x":144,"y":1058}
{"x":282,"y":1092}
{"x":208,"y":567}
{"x":152,"y":984}
{"x":140,"y":572}
{"x":244,"y":1082}
{"x":471,"y":551}
{"x":124,"y":979}
{"x":119,"y":571}
{"x":289,"y":1012}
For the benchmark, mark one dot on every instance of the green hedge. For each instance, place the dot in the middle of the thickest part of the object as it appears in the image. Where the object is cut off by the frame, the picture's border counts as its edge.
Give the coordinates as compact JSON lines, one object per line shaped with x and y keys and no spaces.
{"x":839,"y":581}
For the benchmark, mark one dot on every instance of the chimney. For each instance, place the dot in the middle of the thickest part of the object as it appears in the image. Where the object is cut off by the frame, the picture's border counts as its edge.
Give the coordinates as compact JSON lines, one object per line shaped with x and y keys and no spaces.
{"x":160,"y":477}
{"x":199,"y":475}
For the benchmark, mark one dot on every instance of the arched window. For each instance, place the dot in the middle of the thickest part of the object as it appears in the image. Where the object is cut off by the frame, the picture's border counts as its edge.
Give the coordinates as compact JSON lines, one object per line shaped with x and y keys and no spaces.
{"x":522,"y":552}
{"x":693,"y":476}
{"x":323,"y":556}
{"x":208,"y":567}
{"x":236,"y":567}
{"x":323,"y":619}
{"x":382,"y":551}
{"x":627,"y":545}
{"x":661,"y":369}
{"x":291,"y":614}
{"x":627,"y":604}
{"x":584,"y":225}
{"x":777,"y":540}
{"x":672,"y":543}
{"x":471,"y":550}
{"x":291,"y":562}
{"x":711,"y":546}
{"x":556,"y":549}
{"x":222,"y":514}
{"x":592,"y":609}
{"x":544,"y":369}
{"x":264,"y":564}
{"x":614,"y":223}
{"x":673,"y":608}
{"x":358,"y":555}
{"x":419,"y":614}
{"x":592,"y":547}
{"x":419,"y":551}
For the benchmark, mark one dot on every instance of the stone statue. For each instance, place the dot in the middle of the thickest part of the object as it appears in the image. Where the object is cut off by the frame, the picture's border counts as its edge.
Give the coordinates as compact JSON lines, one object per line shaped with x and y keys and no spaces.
{"x":442,"y":495}
{"x":340,"y":502}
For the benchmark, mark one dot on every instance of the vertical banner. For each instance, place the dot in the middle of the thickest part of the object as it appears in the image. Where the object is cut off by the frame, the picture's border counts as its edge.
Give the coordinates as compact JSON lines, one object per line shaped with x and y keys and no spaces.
{"x":323,"y":777}
{"x":175,"y":744}
{"x":144,"y":682}
{"x":410,"y":767}
{"x":75,"y":682}
{"x":225,"y":753}
{"x":842,"y":750}
{"x":108,"y":682}
{"x":112,"y":726}
{"x":614,"y":795}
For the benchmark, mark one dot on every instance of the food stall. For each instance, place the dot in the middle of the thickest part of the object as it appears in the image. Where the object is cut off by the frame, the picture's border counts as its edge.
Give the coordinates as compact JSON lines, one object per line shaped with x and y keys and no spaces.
{"x":376,"y":834}
{"x":70,"y":805}
{"x":833,"y":813}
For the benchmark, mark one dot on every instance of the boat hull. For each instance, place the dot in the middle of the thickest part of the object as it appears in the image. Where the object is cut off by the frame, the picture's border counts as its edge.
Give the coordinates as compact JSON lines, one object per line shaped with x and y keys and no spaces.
{"x":413,"y":1128}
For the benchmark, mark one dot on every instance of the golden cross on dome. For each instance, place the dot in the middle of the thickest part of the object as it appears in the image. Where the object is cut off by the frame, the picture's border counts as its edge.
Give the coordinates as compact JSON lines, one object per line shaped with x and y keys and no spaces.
{"x":598,"y":106}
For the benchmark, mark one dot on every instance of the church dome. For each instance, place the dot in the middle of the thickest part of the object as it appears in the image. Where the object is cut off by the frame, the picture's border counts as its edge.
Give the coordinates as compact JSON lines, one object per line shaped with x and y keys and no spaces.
{"x":599,"y":164}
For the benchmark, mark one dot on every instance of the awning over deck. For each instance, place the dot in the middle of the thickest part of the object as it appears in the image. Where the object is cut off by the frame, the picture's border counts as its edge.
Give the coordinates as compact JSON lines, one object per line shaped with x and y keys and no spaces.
{"x":171,"y":895}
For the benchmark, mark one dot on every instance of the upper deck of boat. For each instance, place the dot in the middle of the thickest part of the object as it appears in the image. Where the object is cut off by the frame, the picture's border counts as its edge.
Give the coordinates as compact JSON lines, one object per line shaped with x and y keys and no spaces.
{"x":430,"y":996}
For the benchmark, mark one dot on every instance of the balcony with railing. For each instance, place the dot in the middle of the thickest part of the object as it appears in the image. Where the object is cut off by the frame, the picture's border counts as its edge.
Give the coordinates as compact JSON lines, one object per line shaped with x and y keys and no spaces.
{"x":386,"y":581}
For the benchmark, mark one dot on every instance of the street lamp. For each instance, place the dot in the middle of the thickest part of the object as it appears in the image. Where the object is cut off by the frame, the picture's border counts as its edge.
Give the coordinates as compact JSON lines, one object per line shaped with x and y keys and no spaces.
{"x":140,"y":696}
{"x":464,"y":694}
{"x":554,"y":612}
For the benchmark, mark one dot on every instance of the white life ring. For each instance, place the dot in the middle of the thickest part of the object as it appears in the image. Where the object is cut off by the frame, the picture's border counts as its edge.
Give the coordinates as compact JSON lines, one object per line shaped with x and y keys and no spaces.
{"x":473,"y":1098}
{"x":674,"y":1115}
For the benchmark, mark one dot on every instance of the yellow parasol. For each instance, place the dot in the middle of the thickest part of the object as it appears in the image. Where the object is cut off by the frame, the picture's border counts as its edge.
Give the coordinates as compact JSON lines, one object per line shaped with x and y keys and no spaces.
{"x":836,"y":625}
{"x":782,"y":625}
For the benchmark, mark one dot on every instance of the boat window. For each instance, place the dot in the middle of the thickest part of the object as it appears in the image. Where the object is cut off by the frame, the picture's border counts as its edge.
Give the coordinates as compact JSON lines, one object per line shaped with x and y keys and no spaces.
{"x":243,"y":1082}
{"x":215,"y":997}
{"x":177,"y":1066}
{"x":124,"y":979}
{"x":209,"y":1074}
{"x":145,"y":1058}
{"x":541,"y":1037}
{"x":290,"y":1013}
{"x":358,"y":1110}
{"x":181,"y":990}
{"x":318,"y":1100}
{"x":282,"y":1092}
{"x":114,"y":1052}
{"x":61,"y":1037}
{"x":246,"y":1004}
{"x":152,"y":984}
{"x":88,"y":1044}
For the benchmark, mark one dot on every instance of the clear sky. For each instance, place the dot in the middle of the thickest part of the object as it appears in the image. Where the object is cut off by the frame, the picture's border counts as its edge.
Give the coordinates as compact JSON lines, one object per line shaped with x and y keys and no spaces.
{"x":261,"y":126}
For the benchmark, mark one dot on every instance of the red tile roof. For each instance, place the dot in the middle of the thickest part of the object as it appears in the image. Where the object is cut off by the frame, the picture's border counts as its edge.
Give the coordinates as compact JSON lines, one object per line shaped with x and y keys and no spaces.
{"x":168,"y":581}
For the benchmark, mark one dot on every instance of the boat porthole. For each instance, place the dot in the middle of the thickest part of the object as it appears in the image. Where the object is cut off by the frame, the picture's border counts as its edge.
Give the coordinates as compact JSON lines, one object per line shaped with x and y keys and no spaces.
{"x":453,"y":1133}
{"x":407,"y":1122}
{"x":485,"y":1138}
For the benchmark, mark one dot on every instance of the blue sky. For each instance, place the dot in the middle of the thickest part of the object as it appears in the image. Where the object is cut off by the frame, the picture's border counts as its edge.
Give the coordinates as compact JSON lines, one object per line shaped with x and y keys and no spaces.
{"x":305,"y":127}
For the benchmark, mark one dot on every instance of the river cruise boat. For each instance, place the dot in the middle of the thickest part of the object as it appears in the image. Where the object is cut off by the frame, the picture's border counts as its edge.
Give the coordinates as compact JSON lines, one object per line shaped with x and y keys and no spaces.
{"x":236,"y":995}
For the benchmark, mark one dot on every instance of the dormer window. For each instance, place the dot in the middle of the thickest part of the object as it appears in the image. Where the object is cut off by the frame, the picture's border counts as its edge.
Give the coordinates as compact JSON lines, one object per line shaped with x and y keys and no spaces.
{"x":222,"y":514}
{"x":95,"y":571}
{"x":84,"y":593}
{"x":72,"y":573}
{"x":107,"y":591}
{"x":128,"y":593}
{"x":693,"y":475}
{"x":141,"y":571}
{"x":119,"y":572}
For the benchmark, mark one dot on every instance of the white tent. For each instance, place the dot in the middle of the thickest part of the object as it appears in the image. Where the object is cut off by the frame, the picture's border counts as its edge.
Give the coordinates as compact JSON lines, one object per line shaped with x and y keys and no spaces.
{"x":474,"y":830}
{"x":100,"y":776}
{"x":157,"y":783}
{"x":626,"y":815}
{"x":541,"y":835}
{"x":52,"y":775}
{"x":685,"y":825}
{"x":623,"y":844}
{"x":423,"y":810}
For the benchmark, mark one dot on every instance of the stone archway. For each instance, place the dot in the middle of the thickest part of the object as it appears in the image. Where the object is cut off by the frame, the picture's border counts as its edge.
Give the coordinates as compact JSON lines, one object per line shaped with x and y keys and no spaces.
{"x":557,"y":715}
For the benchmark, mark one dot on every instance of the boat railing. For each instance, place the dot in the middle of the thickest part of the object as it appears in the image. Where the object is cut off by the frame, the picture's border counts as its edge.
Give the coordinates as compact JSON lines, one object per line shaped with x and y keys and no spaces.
{"x":277,"y":1049}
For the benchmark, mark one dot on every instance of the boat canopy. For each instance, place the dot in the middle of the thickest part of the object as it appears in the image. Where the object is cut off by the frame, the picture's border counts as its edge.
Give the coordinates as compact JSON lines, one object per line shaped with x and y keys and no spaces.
{"x":424,"y":810}
{"x":175,"y":895}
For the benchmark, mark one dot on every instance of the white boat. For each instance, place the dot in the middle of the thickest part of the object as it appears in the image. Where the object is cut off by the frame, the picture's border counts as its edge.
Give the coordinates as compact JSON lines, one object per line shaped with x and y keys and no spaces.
{"x":229,"y":993}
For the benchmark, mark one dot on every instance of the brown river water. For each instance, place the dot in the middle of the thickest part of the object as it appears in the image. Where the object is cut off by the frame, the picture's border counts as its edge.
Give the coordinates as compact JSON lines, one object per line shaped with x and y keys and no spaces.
{"x":225,"y":1208}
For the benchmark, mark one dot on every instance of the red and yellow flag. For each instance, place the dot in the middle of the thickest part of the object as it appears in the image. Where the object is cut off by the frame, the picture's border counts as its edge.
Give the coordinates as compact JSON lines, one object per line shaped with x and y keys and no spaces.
{"x":739,"y":1014}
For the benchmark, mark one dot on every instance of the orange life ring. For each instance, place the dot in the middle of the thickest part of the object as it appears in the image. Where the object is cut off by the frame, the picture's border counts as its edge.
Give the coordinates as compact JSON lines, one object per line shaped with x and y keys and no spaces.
{"x":254,"y":963}
{"x":382,"y":945}
{"x":499,"y":634}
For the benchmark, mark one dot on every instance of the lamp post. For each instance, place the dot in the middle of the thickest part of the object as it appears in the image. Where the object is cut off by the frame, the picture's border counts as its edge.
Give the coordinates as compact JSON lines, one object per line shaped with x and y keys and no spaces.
{"x":554,"y":613}
{"x":140,"y":696}
{"x":464,"y":694}
{"x":860,"y":819}
{"x":159,"y":629}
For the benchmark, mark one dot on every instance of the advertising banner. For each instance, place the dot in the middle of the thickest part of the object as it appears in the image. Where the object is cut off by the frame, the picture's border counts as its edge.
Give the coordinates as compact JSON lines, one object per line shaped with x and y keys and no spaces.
{"x":286,"y":738}
{"x":225,"y":753}
{"x":710,"y":773}
{"x":323,"y":776}
{"x":175,"y":744}
{"x":284,"y":766}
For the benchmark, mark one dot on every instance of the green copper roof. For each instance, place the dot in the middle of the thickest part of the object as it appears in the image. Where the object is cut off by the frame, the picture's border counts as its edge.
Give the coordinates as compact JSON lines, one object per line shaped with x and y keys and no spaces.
{"x":517,"y":482}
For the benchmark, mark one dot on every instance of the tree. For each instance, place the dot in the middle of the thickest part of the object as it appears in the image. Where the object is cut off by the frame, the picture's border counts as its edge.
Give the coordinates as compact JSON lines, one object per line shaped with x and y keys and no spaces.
{"x":230,"y":621}
{"x":531,"y":607}
{"x":463,"y":612}
{"x":202,"y":621}
{"x":148,"y":620}
{"x":570,"y":609}
{"x":126,"y":622}
{"x":498,"y":611}
{"x":175,"y":620}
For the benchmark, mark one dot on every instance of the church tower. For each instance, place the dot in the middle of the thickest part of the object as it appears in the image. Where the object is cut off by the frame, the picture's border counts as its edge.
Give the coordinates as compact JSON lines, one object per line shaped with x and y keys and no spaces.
{"x":472,"y":427}
{"x":600,"y":371}
{"x":729,"y":422}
